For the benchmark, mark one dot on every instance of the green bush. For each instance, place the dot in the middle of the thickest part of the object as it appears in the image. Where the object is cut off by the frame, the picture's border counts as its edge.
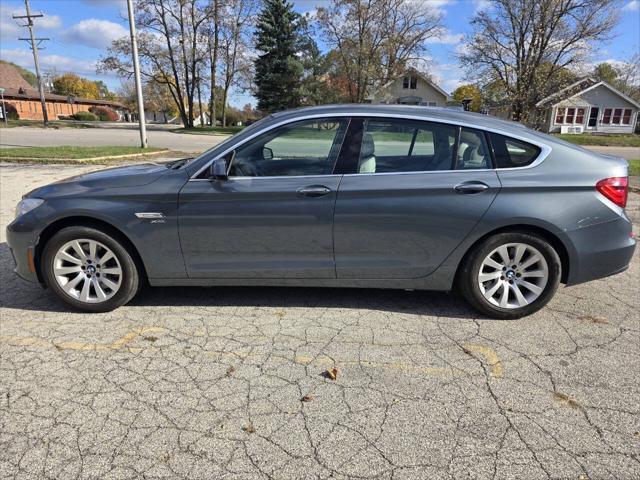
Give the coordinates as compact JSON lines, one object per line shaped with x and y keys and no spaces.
{"x":105,"y":114}
{"x":12,"y":113}
{"x":85,"y":117}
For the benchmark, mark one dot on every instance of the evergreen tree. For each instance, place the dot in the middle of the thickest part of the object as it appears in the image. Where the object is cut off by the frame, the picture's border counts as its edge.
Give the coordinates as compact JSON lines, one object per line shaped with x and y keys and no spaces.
{"x":277,"y":70}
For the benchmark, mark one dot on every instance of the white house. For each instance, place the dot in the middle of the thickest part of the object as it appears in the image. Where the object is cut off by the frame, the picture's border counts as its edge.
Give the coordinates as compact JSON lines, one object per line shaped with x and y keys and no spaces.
{"x":590,"y":106}
{"x":411,"y":88}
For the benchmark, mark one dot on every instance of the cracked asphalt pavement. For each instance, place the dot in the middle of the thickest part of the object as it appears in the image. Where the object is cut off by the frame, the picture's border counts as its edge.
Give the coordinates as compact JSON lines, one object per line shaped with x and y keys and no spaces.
{"x":233,"y":383}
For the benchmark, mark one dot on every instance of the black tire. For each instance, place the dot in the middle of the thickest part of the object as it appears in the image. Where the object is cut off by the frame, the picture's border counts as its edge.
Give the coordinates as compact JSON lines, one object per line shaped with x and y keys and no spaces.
{"x":468,"y":284}
{"x":130,"y":281}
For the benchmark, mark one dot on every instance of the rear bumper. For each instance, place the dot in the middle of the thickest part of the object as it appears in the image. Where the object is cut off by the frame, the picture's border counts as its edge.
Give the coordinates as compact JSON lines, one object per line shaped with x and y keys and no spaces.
{"x":22,"y":244}
{"x":600,"y":250}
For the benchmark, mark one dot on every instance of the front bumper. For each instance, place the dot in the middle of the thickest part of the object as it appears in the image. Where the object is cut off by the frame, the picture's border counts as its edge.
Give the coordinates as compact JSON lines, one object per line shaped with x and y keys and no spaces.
{"x":601,"y":250}
{"x":22,"y":244}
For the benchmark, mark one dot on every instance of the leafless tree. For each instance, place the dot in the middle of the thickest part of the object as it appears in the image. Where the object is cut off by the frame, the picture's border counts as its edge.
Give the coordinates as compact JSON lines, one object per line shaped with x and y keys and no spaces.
{"x":374,"y":40}
{"x":513,"y":39}
{"x":170,"y":54}
{"x":234,"y":46}
{"x":212,"y":32}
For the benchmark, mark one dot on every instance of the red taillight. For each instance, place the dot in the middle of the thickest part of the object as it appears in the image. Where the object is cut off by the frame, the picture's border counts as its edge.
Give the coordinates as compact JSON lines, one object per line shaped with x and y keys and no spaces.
{"x":615,"y":189}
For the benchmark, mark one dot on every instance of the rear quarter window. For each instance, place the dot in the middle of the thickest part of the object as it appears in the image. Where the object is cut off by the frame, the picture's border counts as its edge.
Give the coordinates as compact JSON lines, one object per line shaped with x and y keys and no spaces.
{"x":510,"y":153}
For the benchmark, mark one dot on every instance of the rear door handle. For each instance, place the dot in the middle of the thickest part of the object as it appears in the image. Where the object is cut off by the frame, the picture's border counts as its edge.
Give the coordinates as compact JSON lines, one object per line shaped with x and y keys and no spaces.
{"x":470,"y":187}
{"x":314,"y":191}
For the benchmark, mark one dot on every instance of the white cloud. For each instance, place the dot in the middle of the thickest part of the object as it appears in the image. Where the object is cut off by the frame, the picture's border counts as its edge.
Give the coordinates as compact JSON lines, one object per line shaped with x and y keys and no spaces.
{"x":446,"y":37}
{"x":482,"y":5}
{"x":59,"y":63}
{"x":10,"y":28}
{"x":94,"y":33}
{"x":439,"y":6}
{"x":462,"y":49}
{"x":632,"y":6}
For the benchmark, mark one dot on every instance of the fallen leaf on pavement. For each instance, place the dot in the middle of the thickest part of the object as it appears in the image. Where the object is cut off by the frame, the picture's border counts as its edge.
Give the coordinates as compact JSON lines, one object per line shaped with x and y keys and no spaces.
{"x":249,"y":428}
{"x":331,"y":373}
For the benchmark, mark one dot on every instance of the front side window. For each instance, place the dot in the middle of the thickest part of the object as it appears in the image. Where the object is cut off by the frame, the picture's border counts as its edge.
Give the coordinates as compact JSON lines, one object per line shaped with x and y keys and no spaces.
{"x":308,"y":147}
{"x":398,"y":145}
{"x":510,"y":153}
{"x":606,"y":116}
{"x":626,"y":118}
{"x":405,"y":83}
{"x":414,"y":83}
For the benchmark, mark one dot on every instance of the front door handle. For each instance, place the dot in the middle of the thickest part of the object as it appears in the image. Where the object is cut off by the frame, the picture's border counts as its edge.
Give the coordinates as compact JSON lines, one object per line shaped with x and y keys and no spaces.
{"x":470,"y":187}
{"x":314,"y":191}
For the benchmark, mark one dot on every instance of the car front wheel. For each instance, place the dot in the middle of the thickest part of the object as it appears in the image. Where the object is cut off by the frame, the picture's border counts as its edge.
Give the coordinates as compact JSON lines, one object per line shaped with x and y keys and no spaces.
{"x":89,"y":269}
{"x":510,"y":275}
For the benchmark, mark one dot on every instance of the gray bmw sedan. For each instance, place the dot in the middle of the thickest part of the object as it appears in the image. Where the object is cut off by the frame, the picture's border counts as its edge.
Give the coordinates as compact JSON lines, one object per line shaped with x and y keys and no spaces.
{"x":342,"y":196}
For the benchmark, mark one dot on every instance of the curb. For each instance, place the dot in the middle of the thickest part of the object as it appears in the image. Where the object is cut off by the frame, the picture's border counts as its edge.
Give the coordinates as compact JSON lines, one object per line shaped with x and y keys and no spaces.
{"x":54,"y":160}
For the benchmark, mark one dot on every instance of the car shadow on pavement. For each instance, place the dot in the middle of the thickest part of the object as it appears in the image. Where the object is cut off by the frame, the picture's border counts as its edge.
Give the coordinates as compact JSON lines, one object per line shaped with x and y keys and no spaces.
{"x":16,"y":293}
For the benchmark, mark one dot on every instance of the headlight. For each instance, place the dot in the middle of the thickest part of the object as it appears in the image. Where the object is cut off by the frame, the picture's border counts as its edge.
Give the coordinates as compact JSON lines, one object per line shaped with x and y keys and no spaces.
{"x":26,"y":205}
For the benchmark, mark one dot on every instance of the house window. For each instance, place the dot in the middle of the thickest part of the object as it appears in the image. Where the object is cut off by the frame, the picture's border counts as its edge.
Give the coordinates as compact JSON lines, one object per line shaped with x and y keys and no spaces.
{"x":410,"y":82}
{"x":570,"y":116}
{"x":617,"y":116}
{"x":571,"y":112}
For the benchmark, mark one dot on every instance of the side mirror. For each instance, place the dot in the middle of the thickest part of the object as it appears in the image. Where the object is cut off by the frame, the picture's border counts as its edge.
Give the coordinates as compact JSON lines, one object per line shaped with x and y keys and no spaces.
{"x":219,"y":169}
{"x":267,"y":153}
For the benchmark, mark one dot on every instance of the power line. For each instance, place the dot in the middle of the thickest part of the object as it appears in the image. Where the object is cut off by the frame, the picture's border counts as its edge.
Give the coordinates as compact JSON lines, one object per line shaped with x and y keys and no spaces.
{"x":35,"y":42}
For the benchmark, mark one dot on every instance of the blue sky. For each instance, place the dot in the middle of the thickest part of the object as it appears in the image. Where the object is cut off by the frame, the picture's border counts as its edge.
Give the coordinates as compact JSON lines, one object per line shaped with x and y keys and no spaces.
{"x":80,"y":31}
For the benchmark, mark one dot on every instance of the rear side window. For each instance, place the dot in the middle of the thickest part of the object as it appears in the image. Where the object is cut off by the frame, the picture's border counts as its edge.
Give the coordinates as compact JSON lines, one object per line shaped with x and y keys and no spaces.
{"x":399,"y":145}
{"x":510,"y":153}
{"x":473,"y":151}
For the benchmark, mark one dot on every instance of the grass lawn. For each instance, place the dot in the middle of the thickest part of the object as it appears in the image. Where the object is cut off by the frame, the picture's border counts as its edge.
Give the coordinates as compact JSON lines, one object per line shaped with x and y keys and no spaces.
{"x":55,"y":154}
{"x":634,"y":168}
{"x":52,"y":124}
{"x":209,"y":130}
{"x":619,"y":140}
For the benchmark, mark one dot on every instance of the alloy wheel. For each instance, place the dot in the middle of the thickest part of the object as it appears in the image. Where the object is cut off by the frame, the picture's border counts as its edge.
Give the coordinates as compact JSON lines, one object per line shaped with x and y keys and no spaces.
{"x":87,"y":270}
{"x":513,"y":275}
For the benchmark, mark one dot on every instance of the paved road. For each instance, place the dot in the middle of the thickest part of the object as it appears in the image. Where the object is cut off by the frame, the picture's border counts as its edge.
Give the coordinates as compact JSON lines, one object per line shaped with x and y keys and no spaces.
{"x":630,"y":153}
{"x":39,"y":137}
{"x":227,"y":383}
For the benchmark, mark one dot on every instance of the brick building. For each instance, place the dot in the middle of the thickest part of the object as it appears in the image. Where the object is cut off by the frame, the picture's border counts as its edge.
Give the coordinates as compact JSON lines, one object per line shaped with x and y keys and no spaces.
{"x":26,"y":99}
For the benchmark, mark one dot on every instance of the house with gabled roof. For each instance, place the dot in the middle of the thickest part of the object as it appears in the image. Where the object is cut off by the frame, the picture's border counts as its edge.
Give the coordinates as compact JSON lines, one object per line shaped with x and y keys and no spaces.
{"x":411,"y":88}
{"x":590,"y":106}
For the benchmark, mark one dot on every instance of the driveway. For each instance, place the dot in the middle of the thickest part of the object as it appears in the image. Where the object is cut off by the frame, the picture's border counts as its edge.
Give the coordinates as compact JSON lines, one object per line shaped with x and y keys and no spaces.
{"x":230,"y":383}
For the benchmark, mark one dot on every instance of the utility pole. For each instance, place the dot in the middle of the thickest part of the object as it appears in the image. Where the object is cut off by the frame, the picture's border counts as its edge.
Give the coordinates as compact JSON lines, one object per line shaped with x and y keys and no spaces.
{"x":34,"y":47}
{"x":136,"y":71}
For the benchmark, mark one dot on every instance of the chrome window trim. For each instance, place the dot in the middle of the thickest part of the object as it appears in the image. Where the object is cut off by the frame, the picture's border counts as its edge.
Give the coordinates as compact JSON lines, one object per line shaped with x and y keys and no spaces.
{"x":545,"y":149}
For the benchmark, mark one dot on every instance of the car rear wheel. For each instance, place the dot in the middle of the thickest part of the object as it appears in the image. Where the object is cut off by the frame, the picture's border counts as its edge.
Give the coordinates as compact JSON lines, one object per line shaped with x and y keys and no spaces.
{"x":89,"y":269}
{"x":510,"y":275}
